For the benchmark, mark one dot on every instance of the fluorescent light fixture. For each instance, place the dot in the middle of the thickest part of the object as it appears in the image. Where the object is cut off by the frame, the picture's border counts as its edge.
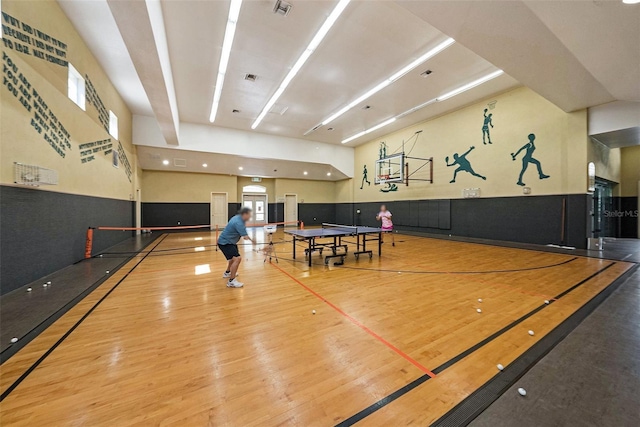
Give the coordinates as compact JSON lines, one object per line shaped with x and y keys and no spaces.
{"x":328,"y":173}
{"x":229,"y":33}
{"x":428,"y":55}
{"x":630,"y":1}
{"x":471,"y":85}
{"x":240,"y":168}
{"x":165,"y":162}
{"x":441,"y":98}
{"x":376,"y":127}
{"x":305,"y":173}
{"x":315,"y":42}
{"x":204,"y":165}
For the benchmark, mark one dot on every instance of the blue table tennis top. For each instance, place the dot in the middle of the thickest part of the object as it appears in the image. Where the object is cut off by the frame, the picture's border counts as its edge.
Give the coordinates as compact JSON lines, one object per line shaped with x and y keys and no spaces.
{"x":333,"y":231}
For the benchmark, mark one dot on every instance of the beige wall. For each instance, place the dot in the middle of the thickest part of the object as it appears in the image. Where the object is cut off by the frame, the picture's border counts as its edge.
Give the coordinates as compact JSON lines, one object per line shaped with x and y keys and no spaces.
{"x":607,"y":161}
{"x":561,"y":141}
{"x":160,"y":186}
{"x":630,"y":175}
{"x":22,"y":143}
{"x":268,"y":183}
{"x":307,"y":191}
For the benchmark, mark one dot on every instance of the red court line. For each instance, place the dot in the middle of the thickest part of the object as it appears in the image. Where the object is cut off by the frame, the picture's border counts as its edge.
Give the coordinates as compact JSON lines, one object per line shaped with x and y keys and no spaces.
{"x":360,"y":325}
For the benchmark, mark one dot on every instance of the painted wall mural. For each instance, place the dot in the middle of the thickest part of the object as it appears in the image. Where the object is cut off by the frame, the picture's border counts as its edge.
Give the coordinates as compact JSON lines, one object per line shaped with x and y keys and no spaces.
{"x":486,"y":134}
{"x":24,"y":38}
{"x":463,"y":165}
{"x":43,"y":120}
{"x":88,"y":150}
{"x":365,"y":177}
{"x":92,"y":97}
{"x":528,"y":158}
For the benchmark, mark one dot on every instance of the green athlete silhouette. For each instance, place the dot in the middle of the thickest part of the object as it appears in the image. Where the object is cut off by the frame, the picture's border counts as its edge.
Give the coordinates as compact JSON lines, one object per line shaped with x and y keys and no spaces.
{"x":364,"y":177}
{"x":485,"y":127}
{"x":463,"y":165}
{"x":530,"y":147}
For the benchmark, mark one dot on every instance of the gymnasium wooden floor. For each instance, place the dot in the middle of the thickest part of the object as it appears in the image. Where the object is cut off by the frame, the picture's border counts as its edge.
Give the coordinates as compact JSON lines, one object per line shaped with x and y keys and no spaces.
{"x":164,"y":342}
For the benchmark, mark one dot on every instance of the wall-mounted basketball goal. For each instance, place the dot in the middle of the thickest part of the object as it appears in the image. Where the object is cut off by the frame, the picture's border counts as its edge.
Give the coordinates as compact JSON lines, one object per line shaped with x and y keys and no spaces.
{"x":400,"y":167}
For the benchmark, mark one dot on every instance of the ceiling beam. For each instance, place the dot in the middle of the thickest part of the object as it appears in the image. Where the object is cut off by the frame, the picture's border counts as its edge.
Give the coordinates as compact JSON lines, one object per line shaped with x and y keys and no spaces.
{"x":512,"y":37}
{"x":142,"y":28}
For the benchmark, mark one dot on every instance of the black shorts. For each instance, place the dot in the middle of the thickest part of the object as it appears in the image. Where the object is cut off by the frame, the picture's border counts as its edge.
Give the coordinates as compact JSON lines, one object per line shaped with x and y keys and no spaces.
{"x":229,"y":251}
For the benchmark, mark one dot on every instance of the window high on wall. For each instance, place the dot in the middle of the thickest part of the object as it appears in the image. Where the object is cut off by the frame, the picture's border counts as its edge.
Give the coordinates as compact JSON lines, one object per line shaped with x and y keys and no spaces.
{"x":254,"y":189}
{"x":76,"y":90}
{"x":113,"y":124}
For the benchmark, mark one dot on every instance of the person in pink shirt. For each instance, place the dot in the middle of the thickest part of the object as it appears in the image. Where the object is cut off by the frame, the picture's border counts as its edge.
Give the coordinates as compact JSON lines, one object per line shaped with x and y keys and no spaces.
{"x":387,"y":225}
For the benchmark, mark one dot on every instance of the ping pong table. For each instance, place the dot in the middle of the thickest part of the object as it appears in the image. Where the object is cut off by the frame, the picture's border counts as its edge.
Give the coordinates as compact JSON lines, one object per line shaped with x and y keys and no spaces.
{"x":331,"y":236}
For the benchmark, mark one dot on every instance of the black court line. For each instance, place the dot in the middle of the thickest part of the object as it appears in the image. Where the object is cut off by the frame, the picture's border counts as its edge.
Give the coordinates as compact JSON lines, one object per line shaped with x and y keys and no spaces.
{"x":22,"y":377}
{"x":32,"y":334}
{"x":515,"y":270}
{"x":467,"y":410}
{"x":535,"y":247}
{"x":420,"y":380}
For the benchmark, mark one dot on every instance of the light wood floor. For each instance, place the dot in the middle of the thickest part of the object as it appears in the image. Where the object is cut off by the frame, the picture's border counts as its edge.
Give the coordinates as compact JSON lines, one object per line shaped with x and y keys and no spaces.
{"x":171,"y":345}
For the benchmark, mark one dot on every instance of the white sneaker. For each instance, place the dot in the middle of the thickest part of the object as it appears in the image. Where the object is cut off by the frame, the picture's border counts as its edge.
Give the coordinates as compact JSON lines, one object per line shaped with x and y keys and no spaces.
{"x":234,"y":284}
{"x":228,"y":275}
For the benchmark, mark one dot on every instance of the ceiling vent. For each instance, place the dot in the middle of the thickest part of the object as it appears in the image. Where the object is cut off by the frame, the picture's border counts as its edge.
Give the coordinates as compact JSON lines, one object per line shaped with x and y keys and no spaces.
{"x":282,"y":7}
{"x":279,"y":109}
{"x":181,"y":163}
{"x":250,"y":77}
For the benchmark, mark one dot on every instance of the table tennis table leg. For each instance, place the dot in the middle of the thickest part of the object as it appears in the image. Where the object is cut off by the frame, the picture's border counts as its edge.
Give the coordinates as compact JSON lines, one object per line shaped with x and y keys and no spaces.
{"x":379,"y":244}
{"x":311,"y":247}
{"x":294,"y":247}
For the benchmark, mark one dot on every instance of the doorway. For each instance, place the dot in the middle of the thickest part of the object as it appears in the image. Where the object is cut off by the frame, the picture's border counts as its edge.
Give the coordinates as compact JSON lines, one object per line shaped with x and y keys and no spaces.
{"x":290,"y":209}
{"x":219,"y":210}
{"x":604,"y":219}
{"x":258,"y":204}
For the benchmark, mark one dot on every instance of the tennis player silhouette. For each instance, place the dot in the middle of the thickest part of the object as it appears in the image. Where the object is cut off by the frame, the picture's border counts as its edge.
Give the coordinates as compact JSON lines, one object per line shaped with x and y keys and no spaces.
{"x":485,"y":127}
{"x":529,"y":148}
{"x":463,"y":165}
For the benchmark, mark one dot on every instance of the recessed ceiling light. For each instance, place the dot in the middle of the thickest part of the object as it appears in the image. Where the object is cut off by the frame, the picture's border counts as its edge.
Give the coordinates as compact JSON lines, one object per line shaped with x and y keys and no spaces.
{"x":204,"y":165}
{"x":240,"y":168}
{"x":630,"y":1}
{"x":229,"y":33}
{"x":165,"y":162}
{"x":305,"y":173}
{"x":328,"y":173}
{"x":313,"y":45}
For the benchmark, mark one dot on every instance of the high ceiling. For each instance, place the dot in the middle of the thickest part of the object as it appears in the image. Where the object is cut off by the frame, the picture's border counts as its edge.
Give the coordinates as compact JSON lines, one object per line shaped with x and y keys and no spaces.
{"x":577,"y":54}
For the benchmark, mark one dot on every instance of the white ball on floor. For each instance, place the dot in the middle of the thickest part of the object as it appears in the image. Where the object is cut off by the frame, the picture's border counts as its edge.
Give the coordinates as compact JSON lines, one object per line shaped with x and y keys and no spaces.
{"x":546,"y":301}
{"x":313,"y":312}
{"x":500,"y":367}
{"x":479,"y":310}
{"x":522,"y":391}
{"x":14,"y":340}
{"x":531,"y":333}
{"x":44,"y":285}
{"x":479,"y":299}
{"x":29,"y":289}
{"x":107,"y":272}
{"x":48,"y":283}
